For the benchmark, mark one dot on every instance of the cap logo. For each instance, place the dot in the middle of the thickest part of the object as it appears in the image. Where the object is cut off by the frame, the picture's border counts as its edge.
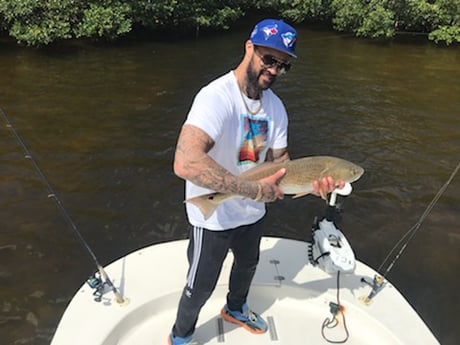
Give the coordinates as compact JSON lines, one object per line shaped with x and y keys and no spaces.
{"x":289,"y":39}
{"x":270,"y":30}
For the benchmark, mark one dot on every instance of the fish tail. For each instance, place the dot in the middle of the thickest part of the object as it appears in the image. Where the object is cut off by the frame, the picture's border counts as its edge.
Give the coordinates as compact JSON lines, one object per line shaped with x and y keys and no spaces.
{"x":205,"y":204}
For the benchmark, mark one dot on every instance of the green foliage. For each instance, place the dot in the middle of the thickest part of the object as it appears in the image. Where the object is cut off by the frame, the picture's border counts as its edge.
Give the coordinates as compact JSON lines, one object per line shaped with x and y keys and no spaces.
{"x":41,"y":22}
{"x":446,"y":34}
{"x":219,"y":17}
{"x":38,"y":22}
{"x":161,"y":13}
{"x":378,"y":23}
{"x":186,"y":15}
{"x":414,"y":15}
{"x":439,"y":18}
{"x":104,"y":19}
{"x":448,"y":28}
{"x":383,"y":18}
{"x":365,"y":18}
{"x":297,"y":10}
{"x":348,"y":14}
{"x":300,"y":10}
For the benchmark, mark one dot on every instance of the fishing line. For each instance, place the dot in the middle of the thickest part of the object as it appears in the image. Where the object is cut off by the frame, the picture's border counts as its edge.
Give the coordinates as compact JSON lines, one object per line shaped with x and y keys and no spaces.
{"x":53,"y":195}
{"x":409,"y":235}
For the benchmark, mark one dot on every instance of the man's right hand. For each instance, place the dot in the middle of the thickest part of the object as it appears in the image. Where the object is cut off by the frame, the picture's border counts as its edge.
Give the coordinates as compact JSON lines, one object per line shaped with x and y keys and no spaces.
{"x":270,"y":187}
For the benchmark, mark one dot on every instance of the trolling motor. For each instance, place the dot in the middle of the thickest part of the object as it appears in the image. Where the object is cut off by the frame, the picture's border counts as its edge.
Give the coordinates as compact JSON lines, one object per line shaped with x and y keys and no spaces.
{"x":329,"y":249}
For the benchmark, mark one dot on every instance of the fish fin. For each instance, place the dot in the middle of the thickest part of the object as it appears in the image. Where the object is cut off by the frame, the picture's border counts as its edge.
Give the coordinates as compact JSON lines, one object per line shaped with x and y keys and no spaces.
{"x":298,"y":195}
{"x":205,"y":204}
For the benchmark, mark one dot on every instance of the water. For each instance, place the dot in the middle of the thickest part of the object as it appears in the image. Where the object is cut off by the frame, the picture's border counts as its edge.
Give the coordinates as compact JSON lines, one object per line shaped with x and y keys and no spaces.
{"x":102,"y":122}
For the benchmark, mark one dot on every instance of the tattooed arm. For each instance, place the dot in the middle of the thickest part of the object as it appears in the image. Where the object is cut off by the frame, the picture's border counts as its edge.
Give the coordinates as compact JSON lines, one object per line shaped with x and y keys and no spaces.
{"x":192,"y":162}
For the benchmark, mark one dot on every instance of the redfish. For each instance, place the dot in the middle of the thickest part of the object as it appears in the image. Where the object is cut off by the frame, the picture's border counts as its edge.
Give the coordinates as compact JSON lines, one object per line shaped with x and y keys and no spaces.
{"x":298,"y":180}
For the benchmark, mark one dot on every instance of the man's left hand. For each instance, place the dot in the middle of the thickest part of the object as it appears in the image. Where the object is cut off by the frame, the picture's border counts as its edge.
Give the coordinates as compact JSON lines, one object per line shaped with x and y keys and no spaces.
{"x":325,"y":186}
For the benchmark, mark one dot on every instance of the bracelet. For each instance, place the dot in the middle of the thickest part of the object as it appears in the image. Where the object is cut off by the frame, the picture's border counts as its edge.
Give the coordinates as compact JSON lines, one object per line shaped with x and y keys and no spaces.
{"x":259,"y":192}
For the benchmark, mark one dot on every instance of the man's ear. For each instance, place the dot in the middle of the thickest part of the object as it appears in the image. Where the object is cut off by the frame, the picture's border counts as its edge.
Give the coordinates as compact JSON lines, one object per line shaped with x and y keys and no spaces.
{"x":249,"y":46}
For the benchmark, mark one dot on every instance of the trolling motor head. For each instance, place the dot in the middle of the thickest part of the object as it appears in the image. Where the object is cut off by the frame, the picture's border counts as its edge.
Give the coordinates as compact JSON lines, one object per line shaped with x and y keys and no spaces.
{"x":329,"y":249}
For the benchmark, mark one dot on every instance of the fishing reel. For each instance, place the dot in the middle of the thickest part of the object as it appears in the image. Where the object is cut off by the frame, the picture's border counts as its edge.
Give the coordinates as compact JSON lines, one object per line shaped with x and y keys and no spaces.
{"x":98,"y":285}
{"x":328,"y":248}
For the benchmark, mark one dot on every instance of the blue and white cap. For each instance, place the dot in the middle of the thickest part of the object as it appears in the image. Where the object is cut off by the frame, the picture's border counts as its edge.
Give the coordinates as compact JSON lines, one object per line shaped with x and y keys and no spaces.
{"x":276,"y":34}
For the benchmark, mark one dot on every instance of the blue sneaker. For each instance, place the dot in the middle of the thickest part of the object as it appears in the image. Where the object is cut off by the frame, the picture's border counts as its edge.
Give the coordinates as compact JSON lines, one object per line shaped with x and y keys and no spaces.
{"x":173,"y":340}
{"x":247,"y":319}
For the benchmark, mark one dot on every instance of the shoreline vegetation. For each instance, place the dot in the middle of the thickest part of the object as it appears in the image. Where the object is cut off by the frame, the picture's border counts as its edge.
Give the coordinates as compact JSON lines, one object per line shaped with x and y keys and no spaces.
{"x":42,"y":23}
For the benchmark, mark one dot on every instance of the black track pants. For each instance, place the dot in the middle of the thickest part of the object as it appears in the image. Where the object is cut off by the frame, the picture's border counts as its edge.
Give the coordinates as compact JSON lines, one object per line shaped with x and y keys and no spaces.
{"x":206,"y":253}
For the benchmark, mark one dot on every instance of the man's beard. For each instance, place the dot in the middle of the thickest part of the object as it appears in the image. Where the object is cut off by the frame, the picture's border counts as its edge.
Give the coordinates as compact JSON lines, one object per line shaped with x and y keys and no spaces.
{"x":253,"y":78}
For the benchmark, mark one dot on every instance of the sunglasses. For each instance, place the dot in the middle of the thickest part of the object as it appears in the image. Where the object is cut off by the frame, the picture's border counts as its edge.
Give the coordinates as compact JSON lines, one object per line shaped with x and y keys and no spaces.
{"x":271,"y":61}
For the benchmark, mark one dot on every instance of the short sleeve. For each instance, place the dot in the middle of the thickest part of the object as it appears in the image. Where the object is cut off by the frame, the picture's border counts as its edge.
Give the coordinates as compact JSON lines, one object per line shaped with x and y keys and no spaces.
{"x":208,"y":112}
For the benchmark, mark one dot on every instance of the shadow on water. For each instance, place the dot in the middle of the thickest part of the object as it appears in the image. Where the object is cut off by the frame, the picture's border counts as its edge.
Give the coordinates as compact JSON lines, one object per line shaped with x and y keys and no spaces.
{"x":102,"y":122}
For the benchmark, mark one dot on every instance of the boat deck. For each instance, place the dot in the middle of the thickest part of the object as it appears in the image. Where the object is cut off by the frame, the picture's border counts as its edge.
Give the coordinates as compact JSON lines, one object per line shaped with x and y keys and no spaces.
{"x":292,"y":295}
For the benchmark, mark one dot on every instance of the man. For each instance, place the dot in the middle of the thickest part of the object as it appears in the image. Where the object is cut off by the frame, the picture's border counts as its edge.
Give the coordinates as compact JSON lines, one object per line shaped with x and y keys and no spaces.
{"x":235,"y":123}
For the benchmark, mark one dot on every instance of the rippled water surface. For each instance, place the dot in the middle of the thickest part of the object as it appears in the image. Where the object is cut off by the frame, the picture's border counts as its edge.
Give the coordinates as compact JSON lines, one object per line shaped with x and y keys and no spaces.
{"x":102,"y":123}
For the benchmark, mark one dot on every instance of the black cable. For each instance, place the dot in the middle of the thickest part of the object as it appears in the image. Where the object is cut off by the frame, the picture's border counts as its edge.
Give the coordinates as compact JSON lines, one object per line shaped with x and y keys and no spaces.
{"x":320,"y":256}
{"x":336,"y":308}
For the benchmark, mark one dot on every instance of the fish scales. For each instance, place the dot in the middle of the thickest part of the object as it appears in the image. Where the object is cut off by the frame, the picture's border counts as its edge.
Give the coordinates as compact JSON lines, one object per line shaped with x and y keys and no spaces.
{"x":300,"y":173}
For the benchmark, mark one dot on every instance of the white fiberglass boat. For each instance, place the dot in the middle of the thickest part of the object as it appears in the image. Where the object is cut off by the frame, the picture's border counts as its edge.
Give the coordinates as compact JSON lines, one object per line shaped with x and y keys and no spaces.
{"x":294,"y":296}
{"x":309,"y":293}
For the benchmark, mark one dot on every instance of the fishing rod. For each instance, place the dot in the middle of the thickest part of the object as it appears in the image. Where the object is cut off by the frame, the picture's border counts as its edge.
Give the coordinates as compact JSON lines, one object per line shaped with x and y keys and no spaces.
{"x":379,"y":281}
{"x":94,"y":281}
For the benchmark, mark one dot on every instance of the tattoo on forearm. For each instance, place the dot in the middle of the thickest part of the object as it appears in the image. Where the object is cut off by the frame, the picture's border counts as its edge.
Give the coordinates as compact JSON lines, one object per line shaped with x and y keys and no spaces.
{"x":198,"y":167}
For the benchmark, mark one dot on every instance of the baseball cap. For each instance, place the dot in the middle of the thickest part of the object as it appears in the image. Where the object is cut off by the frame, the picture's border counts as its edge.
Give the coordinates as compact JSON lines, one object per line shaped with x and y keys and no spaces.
{"x":276,"y":34}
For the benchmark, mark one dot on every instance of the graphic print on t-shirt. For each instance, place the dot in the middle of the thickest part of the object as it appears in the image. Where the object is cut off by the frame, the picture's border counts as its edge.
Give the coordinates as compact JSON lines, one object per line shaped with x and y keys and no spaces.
{"x":254,"y":138}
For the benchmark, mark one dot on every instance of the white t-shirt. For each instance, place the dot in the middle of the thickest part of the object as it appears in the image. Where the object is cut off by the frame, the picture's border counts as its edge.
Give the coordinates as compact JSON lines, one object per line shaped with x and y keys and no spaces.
{"x":241,"y":142}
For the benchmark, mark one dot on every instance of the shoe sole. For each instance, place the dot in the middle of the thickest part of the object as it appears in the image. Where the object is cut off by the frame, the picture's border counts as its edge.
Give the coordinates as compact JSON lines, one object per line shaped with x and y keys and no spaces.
{"x":231,"y":319}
